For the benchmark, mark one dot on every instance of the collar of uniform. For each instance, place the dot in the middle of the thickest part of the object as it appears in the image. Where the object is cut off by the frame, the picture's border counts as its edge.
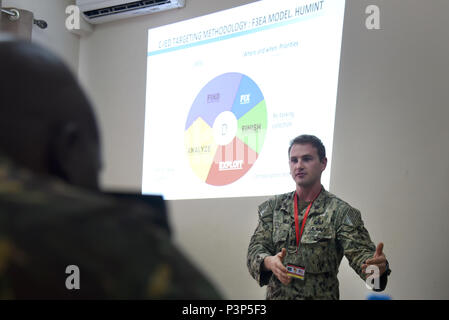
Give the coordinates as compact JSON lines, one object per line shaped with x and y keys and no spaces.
{"x":319,"y":203}
{"x":5,"y":167}
{"x":317,"y":207}
{"x":287,"y":203}
{"x":9,"y":171}
{"x":15,"y":178}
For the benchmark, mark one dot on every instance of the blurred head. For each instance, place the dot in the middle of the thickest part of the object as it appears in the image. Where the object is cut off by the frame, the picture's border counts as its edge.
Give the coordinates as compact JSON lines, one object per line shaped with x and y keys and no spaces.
{"x":46,"y":122}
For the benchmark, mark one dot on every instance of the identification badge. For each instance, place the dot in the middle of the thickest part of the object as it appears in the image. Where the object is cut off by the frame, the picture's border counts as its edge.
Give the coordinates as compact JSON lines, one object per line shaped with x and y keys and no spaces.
{"x":296,"y":272}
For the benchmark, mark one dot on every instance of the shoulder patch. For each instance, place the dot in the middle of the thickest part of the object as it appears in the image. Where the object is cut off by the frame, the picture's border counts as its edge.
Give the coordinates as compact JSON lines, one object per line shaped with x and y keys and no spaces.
{"x":264,"y":208}
{"x":353,"y":218}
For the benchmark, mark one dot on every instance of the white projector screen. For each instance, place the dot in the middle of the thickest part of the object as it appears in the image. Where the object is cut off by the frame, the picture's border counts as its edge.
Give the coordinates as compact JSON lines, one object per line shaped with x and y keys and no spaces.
{"x":227,"y":92}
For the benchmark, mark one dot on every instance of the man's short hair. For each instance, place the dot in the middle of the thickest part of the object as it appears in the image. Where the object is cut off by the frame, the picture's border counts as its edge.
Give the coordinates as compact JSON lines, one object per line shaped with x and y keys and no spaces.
{"x":310,"y":139}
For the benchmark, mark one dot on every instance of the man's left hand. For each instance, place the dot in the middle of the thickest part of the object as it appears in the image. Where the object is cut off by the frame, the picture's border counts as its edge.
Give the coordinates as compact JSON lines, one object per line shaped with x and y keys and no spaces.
{"x":378,"y":260}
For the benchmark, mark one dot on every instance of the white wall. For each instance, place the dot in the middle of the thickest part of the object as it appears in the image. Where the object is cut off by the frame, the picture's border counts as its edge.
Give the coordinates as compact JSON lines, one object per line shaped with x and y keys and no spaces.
{"x":391,"y":146}
{"x":55,"y":37}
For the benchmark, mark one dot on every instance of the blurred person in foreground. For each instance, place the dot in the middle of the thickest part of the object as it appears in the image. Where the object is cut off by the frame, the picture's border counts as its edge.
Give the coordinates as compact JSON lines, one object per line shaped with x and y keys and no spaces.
{"x":60,"y":237}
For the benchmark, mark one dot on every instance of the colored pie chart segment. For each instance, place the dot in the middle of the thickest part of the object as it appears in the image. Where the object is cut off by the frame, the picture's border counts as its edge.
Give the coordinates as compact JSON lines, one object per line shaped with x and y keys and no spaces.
{"x":225,"y":129}
{"x":200,"y":147}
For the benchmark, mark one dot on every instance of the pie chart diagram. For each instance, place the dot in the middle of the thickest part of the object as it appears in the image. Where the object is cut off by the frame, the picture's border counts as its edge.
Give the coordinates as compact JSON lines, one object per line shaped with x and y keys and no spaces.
{"x":225,"y":129}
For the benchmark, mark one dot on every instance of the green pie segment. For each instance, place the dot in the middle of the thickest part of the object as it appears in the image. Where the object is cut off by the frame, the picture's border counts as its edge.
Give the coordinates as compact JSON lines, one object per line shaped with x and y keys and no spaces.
{"x":252,"y":127}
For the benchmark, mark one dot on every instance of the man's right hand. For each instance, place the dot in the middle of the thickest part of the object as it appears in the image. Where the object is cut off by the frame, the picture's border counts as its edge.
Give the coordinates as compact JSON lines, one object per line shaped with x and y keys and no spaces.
{"x":274,"y":263}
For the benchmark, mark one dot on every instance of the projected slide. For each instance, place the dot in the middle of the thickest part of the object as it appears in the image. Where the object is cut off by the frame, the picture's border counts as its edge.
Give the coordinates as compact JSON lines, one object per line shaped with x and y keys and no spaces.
{"x":227,"y":92}
{"x":225,"y":129}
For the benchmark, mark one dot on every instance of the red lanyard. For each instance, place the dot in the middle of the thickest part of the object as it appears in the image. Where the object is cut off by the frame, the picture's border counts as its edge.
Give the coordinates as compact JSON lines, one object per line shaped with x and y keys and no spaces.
{"x":298,"y":233}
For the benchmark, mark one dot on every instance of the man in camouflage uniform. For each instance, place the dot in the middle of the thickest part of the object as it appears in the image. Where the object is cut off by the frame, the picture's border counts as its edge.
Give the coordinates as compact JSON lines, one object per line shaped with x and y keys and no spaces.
{"x":52,"y":215}
{"x":333,"y":229}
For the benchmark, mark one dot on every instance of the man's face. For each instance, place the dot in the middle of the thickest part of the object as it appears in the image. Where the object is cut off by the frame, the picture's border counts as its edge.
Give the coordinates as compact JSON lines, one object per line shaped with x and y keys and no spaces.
{"x":305,"y":165}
